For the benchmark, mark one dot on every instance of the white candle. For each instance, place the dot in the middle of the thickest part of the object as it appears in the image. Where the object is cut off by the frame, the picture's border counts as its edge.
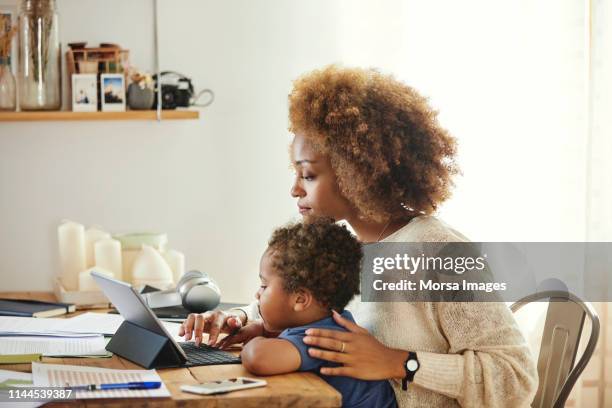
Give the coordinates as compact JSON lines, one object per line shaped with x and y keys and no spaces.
{"x":86,"y":281}
{"x":107,"y":254}
{"x":128,"y":256}
{"x":150,"y":268}
{"x":92,"y":235}
{"x":71,"y":237}
{"x":176,"y":260}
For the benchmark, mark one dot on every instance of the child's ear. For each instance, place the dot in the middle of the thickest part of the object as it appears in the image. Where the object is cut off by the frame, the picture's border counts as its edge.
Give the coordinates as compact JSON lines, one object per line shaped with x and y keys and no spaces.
{"x":302,"y":299}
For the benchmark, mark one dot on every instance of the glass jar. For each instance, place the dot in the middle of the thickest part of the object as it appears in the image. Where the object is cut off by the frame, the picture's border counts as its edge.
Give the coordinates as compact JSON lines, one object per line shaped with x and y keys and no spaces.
{"x":39,"y":56}
{"x":8,"y":95}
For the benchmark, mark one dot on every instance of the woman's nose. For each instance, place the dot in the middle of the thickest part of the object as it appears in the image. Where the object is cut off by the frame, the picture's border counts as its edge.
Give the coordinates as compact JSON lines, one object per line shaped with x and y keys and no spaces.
{"x":297,"y":190}
{"x":257,"y":294}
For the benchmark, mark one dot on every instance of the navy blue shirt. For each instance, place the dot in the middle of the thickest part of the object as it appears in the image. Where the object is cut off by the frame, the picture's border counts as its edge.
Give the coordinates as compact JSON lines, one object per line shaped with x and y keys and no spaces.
{"x":355,"y":393}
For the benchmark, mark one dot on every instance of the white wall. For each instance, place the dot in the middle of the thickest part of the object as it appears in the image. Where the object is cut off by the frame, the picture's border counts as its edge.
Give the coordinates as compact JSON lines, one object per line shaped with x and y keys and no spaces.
{"x":600,"y":143}
{"x":219,"y":186}
{"x":509,"y":80}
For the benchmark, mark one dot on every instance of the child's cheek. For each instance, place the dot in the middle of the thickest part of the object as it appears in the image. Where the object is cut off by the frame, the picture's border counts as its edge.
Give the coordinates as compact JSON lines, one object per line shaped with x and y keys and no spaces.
{"x":264,"y":303}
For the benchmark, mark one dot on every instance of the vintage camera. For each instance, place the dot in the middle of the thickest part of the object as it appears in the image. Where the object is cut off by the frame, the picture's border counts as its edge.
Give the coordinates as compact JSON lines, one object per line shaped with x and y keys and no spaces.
{"x":176,"y":90}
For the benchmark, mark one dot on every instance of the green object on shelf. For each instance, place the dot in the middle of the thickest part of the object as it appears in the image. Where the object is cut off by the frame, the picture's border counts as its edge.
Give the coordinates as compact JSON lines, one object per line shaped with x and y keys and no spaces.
{"x":136,"y":240}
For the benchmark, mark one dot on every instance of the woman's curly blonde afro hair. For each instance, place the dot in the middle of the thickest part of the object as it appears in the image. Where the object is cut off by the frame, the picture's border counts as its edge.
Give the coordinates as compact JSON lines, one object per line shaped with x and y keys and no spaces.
{"x":391,"y":157}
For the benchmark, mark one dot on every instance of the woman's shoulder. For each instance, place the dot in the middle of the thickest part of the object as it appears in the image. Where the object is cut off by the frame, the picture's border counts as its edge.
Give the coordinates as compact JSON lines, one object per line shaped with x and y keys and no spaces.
{"x":426,"y":228}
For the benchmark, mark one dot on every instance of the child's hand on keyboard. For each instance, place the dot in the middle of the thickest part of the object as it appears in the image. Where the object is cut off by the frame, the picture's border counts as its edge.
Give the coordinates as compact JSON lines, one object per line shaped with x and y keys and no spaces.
{"x":245,"y":334}
{"x":211,"y":322}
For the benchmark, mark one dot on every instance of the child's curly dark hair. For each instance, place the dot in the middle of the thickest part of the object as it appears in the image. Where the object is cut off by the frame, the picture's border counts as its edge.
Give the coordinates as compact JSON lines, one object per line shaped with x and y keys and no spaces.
{"x":319,"y":256}
{"x":391,"y":157}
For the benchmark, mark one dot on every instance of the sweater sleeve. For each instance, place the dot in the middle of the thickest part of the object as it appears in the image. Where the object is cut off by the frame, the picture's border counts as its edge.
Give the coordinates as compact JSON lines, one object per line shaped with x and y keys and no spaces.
{"x":251,"y":310}
{"x":488,"y":363}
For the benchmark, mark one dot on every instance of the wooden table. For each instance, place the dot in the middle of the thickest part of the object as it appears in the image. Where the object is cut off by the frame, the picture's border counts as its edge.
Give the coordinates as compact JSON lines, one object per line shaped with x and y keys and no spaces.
{"x":287,"y":390}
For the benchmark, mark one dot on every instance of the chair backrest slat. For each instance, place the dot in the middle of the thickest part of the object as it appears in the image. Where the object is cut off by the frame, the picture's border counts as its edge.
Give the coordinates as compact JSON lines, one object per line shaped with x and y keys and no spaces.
{"x":562,"y":329}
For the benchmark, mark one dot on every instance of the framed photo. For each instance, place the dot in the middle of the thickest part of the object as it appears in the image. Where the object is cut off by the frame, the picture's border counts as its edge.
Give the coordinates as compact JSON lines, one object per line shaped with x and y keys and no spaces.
{"x":112,"y":92}
{"x":8,"y":20}
{"x":84,"y":93}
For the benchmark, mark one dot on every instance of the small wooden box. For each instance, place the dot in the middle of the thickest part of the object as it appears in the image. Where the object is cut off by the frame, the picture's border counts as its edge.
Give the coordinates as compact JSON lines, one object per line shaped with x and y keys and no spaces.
{"x":101,"y":60}
{"x":82,"y":299}
{"x":107,"y":60}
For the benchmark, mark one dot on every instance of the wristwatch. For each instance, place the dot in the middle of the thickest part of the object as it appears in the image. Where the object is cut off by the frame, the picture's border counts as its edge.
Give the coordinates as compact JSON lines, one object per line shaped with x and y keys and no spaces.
{"x":411,"y":365}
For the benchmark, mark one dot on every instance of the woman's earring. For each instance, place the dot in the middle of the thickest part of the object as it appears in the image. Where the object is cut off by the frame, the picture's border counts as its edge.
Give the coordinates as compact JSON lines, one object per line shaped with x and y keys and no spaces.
{"x":412,"y":210}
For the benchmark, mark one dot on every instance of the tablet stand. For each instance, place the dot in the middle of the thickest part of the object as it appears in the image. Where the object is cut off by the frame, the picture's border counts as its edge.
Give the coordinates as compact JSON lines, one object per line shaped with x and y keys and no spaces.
{"x":144,"y":347}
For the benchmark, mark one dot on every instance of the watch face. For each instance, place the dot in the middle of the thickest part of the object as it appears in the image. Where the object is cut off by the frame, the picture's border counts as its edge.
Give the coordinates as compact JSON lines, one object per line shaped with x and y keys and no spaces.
{"x":412,"y":365}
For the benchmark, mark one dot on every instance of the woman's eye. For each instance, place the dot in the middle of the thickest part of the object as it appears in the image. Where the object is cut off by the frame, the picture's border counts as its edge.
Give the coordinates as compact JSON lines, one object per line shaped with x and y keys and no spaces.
{"x":308,"y":177}
{"x":262,"y":286}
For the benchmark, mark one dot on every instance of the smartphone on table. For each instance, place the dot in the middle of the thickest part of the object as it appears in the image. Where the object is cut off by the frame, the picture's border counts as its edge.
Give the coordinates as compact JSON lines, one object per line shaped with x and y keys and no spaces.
{"x":221,"y":386}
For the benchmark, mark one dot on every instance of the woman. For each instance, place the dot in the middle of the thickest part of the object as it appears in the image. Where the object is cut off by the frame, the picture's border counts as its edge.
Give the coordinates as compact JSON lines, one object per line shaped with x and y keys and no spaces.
{"x":368,"y":150}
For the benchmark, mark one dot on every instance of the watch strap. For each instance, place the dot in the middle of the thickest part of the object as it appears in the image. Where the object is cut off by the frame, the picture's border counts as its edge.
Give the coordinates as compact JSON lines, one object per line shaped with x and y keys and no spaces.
{"x":409,"y":374}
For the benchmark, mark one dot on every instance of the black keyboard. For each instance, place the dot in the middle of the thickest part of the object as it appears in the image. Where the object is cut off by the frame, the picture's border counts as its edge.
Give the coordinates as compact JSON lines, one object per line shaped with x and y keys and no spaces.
{"x":206,"y":355}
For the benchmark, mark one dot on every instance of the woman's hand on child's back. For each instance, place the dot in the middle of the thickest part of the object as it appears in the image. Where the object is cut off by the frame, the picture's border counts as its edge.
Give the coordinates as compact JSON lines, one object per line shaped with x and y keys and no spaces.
{"x":360,"y":354}
{"x":212,"y":322}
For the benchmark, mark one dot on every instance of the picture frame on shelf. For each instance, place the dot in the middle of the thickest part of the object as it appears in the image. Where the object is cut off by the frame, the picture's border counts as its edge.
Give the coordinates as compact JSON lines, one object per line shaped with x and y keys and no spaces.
{"x":84,"y":93}
{"x":112,"y":92}
{"x":8,"y":13}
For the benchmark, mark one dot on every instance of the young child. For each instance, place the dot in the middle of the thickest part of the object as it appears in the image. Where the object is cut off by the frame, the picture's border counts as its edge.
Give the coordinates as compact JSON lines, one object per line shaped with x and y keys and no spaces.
{"x":307,"y":271}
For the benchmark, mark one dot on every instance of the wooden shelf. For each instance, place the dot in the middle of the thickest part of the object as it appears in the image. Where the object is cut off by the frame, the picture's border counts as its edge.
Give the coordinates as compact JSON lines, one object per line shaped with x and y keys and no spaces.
{"x":88,"y":116}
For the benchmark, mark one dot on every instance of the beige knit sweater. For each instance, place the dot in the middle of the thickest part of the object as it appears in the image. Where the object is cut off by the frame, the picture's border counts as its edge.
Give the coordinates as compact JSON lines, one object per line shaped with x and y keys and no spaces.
{"x":471,"y":354}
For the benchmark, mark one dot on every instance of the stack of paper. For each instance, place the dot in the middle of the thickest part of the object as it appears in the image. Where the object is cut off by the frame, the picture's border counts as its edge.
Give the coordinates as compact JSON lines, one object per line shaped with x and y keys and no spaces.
{"x":26,"y":335}
{"x":85,"y":324}
{"x":101,"y":323}
{"x":54,"y":346}
{"x":107,"y":324}
{"x":82,"y":325}
{"x":80,"y":336}
{"x":27,"y":325}
{"x":57,"y":375}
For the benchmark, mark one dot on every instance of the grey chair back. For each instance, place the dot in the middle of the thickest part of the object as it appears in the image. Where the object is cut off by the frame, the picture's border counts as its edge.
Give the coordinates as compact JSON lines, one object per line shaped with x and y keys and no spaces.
{"x":560,"y":339}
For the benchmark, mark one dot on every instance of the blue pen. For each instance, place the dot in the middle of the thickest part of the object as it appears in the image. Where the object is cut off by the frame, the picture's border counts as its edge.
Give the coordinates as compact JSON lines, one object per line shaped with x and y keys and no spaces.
{"x":146,"y":385}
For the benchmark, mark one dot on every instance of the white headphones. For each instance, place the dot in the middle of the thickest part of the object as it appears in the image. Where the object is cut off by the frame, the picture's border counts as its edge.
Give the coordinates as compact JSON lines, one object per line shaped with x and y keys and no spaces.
{"x":199,"y":293}
{"x":195,"y":291}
